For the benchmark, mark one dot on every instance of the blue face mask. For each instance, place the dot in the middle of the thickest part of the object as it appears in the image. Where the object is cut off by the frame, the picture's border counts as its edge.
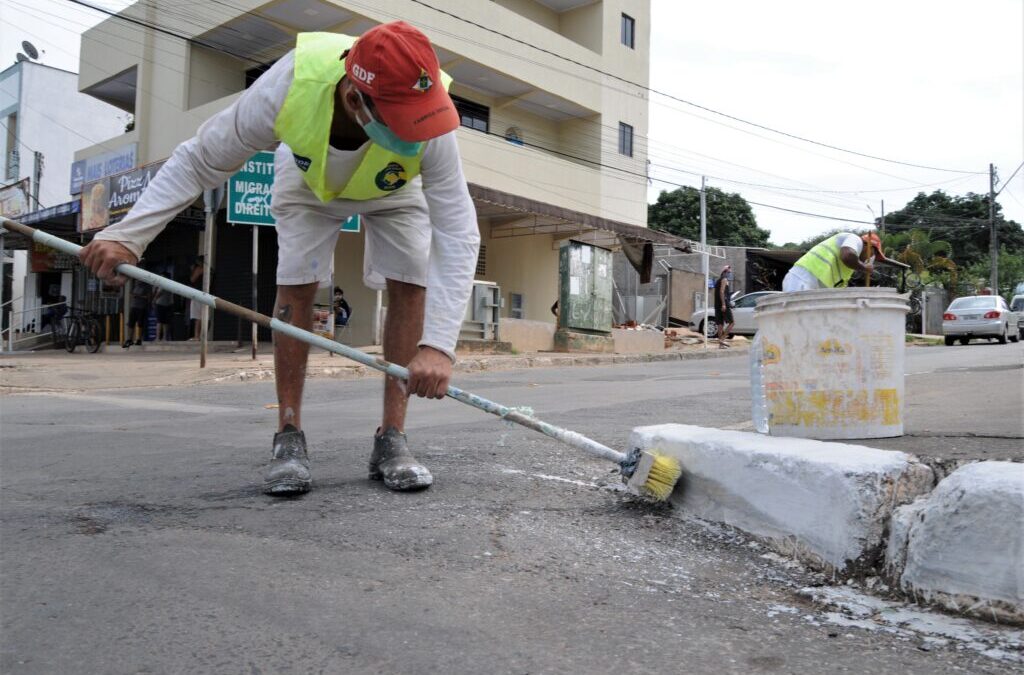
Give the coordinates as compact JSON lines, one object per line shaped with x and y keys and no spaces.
{"x":384,"y":137}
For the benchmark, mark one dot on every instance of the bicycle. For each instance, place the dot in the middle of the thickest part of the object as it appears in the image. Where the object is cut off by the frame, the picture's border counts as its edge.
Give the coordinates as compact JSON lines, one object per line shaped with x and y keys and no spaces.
{"x":59,"y":332}
{"x":83,"y":328}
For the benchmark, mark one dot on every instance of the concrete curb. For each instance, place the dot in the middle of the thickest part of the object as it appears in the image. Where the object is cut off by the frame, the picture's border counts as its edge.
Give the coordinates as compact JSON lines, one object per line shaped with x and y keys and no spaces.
{"x":962,"y":546}
{"x":476,"y":363}
{"x":853,"y":510}
{"x":828,"y":504}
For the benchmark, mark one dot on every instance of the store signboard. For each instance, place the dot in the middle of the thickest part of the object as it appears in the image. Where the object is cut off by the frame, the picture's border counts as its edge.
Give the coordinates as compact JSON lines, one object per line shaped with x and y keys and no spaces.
{"x":100,"y":166}
{"x":14,"y":199}
{"x":108,"y":200}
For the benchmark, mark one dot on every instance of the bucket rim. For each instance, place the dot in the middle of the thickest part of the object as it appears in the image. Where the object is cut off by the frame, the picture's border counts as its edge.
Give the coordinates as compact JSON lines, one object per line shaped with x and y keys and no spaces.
{"x":833,"y":296}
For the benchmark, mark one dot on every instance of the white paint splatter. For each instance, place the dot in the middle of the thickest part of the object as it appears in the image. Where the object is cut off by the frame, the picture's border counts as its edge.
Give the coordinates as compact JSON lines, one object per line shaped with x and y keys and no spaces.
{"x":908,"y":621}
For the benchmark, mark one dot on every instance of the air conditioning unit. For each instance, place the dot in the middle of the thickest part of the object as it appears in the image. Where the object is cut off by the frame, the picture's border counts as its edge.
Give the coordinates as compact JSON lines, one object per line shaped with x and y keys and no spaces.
{"x":482,"y":312}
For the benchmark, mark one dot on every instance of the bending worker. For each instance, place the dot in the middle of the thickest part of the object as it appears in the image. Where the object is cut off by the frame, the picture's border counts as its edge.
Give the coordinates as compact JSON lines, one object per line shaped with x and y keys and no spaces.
{"x":361,"y":126}
{"x":831,"y":263}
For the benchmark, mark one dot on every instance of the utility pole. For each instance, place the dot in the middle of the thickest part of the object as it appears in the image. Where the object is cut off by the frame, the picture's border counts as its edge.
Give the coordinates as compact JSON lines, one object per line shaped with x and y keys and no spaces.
{"x":881,"y":225}
{"x":37,"y":176}
{"x":704,"y":252}
{"x":993,"y":243}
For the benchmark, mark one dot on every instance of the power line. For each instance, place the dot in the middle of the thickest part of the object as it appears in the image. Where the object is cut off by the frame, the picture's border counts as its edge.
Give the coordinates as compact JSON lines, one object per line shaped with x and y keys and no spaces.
{"x":564,"y":58}
{"x":682,"y":100}
{"x":163,"y":31}
{"x":585,"y":160}
{"x":1009,"y":179}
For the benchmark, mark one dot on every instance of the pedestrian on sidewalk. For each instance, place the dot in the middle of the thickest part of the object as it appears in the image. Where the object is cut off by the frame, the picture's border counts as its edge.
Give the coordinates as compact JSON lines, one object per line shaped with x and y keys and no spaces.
{"x":163,"y":301}
{"x":723,"y":306}
{"x":361,"y":126}
{"x":138,"y":313}
{"x":342,"y":310}
{"x":832,"y":262}
{"x":195,"y":309}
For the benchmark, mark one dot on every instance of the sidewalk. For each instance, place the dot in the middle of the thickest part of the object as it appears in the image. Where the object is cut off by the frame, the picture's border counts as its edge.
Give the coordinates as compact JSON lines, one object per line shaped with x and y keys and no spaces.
{"x":53,"y":370}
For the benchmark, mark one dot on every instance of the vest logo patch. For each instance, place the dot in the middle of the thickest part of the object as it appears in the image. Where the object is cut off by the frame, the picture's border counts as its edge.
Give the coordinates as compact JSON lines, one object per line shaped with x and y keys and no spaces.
{"x":391,"y":177}
{"x":302,"y":162}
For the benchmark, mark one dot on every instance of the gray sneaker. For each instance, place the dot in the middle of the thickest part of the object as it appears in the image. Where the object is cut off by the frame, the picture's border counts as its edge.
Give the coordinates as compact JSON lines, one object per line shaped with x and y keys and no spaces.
{"x":288,"y":471}
{"x":392,"y":463}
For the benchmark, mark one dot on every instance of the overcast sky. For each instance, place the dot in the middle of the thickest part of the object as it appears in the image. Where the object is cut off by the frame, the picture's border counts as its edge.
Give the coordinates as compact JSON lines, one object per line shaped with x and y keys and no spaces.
{"x":931,"y":82}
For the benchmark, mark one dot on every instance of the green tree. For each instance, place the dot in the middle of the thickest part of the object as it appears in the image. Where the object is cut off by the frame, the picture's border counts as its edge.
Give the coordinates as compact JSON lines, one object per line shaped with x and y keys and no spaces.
{"x":731,"y":221}
{"x":1011,"y":273}
{"x":962,"y":220}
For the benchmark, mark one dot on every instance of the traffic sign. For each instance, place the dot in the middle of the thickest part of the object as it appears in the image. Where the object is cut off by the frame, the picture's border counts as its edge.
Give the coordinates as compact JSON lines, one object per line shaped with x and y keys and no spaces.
{"x":249,"y":191}
{"x":249,"y":194}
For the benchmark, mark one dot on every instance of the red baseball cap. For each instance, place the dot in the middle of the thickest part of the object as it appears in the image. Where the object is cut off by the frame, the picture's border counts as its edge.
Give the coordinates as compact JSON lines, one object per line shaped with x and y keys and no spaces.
{"x":872,"y":239}
{"x":396,"y":67}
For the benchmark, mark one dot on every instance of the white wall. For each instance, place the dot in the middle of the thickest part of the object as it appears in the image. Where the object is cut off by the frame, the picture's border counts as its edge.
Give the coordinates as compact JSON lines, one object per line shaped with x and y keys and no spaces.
{"x":55,"y":119}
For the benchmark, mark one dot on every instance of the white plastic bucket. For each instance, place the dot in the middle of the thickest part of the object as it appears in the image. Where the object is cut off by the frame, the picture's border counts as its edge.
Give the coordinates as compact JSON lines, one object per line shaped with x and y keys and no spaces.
{"x":832,"y":362}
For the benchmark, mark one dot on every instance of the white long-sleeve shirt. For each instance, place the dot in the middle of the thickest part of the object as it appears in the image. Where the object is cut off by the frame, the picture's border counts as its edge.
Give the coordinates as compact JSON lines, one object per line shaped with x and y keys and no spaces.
{"x":229,"y":138}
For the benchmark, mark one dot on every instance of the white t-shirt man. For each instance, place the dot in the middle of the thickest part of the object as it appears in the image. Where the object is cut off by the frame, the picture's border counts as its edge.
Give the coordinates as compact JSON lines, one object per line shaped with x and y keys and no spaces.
{"x":800,"y":279}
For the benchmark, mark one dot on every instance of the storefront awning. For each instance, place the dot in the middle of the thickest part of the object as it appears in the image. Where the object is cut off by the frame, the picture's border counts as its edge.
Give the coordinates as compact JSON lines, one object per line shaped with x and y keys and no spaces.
{"x":513,"y":216}
{"x":60,"y":221}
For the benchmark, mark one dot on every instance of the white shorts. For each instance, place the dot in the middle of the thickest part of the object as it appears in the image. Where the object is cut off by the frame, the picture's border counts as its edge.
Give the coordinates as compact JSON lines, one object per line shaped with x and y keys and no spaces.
{"x":396,"y":229}
{"x":799,"y":279}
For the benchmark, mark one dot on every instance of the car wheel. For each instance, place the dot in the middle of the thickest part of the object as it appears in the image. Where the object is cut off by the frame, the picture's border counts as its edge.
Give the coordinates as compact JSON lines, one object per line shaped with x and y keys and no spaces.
{"x":1013,"y":337}
{"x":712,"y":329}
{"x":950,"y":340}
{"x":1002,"y":338}
{"x":964,"y":340}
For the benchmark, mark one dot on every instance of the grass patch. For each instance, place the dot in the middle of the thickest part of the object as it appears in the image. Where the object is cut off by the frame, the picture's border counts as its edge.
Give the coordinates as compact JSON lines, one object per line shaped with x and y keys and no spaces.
{"x":925,"y":341}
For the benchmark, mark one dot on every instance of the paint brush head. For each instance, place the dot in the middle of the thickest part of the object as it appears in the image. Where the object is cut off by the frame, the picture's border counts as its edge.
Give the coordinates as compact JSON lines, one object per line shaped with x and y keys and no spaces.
{"x":655,"y":476}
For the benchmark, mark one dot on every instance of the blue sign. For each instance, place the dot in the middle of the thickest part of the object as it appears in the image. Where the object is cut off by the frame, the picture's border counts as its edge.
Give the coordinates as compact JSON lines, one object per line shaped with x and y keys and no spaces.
{"x":100,"y":166}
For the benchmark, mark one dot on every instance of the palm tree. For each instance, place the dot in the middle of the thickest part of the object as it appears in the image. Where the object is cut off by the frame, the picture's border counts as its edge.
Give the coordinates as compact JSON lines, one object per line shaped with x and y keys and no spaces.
{"x":929,"y":260}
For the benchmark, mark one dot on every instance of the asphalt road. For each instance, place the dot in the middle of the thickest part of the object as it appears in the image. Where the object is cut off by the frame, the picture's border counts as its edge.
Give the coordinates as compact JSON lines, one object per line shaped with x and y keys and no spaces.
{"x":135,"y":538}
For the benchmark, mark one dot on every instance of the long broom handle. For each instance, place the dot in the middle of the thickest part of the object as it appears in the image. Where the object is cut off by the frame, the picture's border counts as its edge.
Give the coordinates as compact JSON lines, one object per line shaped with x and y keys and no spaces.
{"x":572,"y":438}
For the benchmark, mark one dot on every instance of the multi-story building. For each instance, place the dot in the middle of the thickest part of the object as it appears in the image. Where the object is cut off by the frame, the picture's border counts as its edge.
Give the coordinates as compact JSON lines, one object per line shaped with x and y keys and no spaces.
{"x":551,"y":92}
{"x":44,"y":118}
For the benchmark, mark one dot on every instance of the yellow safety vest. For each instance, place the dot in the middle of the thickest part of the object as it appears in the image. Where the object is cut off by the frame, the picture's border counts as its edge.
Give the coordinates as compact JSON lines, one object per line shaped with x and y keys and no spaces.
{"x":824,"y":263}
{"x":304,"y":124}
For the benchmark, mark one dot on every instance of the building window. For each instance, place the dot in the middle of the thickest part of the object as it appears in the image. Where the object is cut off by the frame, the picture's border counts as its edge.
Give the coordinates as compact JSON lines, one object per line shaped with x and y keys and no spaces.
{"x":473,"y":115}
{"x":628,"y":31}
{"x":481,"y":261}
{"x":625,"y":139}
{"x":516,"y":311}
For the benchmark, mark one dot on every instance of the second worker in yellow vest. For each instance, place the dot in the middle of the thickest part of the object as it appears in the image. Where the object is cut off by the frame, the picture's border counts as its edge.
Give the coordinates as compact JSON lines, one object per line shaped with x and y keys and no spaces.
{"x":832,"y":262}
{"x":360,"y":126}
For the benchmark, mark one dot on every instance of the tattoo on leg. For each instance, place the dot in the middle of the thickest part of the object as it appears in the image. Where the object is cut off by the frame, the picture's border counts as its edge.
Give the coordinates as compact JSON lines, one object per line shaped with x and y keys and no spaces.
{"x":284,"y":313}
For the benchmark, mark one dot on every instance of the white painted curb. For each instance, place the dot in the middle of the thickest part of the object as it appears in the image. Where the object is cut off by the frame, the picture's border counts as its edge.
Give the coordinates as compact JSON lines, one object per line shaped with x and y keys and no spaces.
{"x":826,"y":503}
{"x":962,"y":546}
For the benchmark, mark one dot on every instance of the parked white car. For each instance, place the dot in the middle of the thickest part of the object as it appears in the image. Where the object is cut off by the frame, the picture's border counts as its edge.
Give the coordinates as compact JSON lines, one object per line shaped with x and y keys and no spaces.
{"x":979,"y":316}
{"x":742,"y":314}
{"x":1017,"y":307}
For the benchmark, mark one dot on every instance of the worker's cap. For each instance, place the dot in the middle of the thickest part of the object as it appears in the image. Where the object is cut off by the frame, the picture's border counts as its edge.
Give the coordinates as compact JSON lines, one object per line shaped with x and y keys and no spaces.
{"x":395,"y":66}
{"x":873,"y":240}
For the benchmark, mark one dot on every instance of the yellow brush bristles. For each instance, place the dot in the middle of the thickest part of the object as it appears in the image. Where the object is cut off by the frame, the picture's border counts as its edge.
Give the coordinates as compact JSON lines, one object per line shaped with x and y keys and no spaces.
{"x":663,"y":476}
